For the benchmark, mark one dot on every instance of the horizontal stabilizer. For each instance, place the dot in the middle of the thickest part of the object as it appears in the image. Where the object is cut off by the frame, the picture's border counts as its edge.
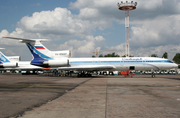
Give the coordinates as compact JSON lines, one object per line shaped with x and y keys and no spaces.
{"x":26,"y":40}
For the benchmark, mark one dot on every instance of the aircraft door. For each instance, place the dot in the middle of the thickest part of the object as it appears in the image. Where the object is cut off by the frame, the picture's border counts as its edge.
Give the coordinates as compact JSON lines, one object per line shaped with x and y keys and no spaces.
{"x":132,"y":68}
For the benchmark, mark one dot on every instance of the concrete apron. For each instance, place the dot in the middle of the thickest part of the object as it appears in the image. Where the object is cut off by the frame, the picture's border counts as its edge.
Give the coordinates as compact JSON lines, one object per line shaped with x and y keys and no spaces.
{"x":85,"y":101}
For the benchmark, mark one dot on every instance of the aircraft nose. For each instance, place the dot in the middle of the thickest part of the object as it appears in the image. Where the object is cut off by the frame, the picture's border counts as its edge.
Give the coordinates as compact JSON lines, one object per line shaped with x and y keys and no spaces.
{"x":175,"y":66}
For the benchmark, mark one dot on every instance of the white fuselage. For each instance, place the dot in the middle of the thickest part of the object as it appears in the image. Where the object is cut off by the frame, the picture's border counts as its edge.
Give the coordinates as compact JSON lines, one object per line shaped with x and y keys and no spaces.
{"x":126,"y":63}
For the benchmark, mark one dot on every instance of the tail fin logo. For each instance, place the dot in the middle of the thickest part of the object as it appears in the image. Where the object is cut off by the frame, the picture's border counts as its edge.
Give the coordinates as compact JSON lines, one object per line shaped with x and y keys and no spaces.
{"x":3,"y":58}
{"x":39,"y":47}
{"x":36,"y":53}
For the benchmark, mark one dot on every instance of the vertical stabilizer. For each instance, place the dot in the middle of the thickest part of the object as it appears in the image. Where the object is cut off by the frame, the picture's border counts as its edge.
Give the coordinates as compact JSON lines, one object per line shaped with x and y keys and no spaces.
{"x":41,"y":55}
{"x":3,"y":58}
{"x":38,"y":50}
{"x":5,"y":62}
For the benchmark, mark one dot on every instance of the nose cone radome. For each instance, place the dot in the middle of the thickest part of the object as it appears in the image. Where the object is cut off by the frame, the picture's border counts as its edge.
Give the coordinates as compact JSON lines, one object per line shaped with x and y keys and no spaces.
{"x":175,"y":66}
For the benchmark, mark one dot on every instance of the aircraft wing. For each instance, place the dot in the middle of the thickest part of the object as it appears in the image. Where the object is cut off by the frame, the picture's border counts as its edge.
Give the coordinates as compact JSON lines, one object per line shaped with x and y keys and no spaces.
{"x":87,"y":67}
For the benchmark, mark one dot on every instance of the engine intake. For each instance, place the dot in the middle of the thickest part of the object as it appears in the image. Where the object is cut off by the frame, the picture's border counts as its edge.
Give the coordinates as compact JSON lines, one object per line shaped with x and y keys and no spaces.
{"x":9,"y":65}
{"x":56,"y":63}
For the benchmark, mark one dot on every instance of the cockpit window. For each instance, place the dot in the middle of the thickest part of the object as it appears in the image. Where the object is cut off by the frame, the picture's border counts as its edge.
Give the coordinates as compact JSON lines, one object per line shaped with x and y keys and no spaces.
{"x":169,"y":61}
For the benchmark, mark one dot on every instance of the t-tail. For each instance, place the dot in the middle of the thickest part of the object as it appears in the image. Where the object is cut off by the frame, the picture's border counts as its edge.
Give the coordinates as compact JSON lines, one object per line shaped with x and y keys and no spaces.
{"x":39,"y":52}
{"x":42,"y":56}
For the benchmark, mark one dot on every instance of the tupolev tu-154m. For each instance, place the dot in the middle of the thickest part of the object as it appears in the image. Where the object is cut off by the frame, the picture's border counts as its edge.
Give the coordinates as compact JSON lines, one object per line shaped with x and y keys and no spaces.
{"x":60,"y":60}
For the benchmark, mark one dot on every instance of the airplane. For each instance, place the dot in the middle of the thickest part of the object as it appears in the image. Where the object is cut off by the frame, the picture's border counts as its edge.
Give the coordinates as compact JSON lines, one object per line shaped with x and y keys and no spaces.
{"x":12,"y":58}
{"x":60,"y":60}
{"x":12,"y":63}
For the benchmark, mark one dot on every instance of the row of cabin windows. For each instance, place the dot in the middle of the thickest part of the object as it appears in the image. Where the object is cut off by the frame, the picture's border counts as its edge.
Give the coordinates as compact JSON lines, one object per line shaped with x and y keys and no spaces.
{"x":60,"y":53}
{"x":107,"y":61}
{"x":136,"y":61}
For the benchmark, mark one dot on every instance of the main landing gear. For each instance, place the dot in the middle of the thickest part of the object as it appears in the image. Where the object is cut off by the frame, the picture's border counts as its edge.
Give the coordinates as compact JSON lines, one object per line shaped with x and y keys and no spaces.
{"x":152,"y":73}
{"x":83,"y":74}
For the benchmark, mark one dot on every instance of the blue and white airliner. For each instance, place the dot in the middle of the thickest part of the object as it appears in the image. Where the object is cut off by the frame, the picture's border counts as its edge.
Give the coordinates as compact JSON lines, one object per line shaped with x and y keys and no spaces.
{"x":13,"y":63}
{"x":61,"y":60}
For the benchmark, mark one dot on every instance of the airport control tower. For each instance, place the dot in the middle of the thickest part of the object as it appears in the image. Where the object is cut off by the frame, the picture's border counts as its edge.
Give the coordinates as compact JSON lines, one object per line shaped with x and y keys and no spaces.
{"x":127,"y":6}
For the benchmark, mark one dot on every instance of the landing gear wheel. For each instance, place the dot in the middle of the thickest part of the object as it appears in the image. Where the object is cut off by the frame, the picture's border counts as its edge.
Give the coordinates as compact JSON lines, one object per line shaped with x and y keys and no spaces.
{"x":153,"y":74}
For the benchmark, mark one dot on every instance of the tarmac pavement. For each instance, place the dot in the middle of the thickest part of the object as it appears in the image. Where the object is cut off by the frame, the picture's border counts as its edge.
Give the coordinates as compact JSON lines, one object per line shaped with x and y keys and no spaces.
{"x":91,"y":97}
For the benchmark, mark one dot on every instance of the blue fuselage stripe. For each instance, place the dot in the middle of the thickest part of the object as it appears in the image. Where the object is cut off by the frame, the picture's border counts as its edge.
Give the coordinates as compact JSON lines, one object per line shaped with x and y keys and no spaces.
{"x":89,"y":62}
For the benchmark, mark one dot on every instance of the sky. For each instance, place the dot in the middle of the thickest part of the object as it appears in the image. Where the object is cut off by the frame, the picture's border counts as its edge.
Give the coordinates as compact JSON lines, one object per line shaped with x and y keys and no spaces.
{"x":84,"y":25}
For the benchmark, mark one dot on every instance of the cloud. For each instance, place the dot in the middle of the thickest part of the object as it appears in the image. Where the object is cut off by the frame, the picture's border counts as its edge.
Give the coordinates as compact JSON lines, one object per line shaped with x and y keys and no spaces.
{"x":4,"y":32}
{"x":159,"y":31}
{"x":57,"y":24}
{"x":87,"y":13}
{"x":156,"y":36}
{"x":4,"y":41}
{"x":159,"y":50}
{"x":85,"y":47}
{"x":60,"y":21}
{"x":93,"y":15}
{"x":146,"y":9}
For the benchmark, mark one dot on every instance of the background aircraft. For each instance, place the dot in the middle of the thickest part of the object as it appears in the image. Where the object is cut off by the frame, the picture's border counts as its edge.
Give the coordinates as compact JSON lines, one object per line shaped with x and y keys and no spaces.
{"x":12,"y":63}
